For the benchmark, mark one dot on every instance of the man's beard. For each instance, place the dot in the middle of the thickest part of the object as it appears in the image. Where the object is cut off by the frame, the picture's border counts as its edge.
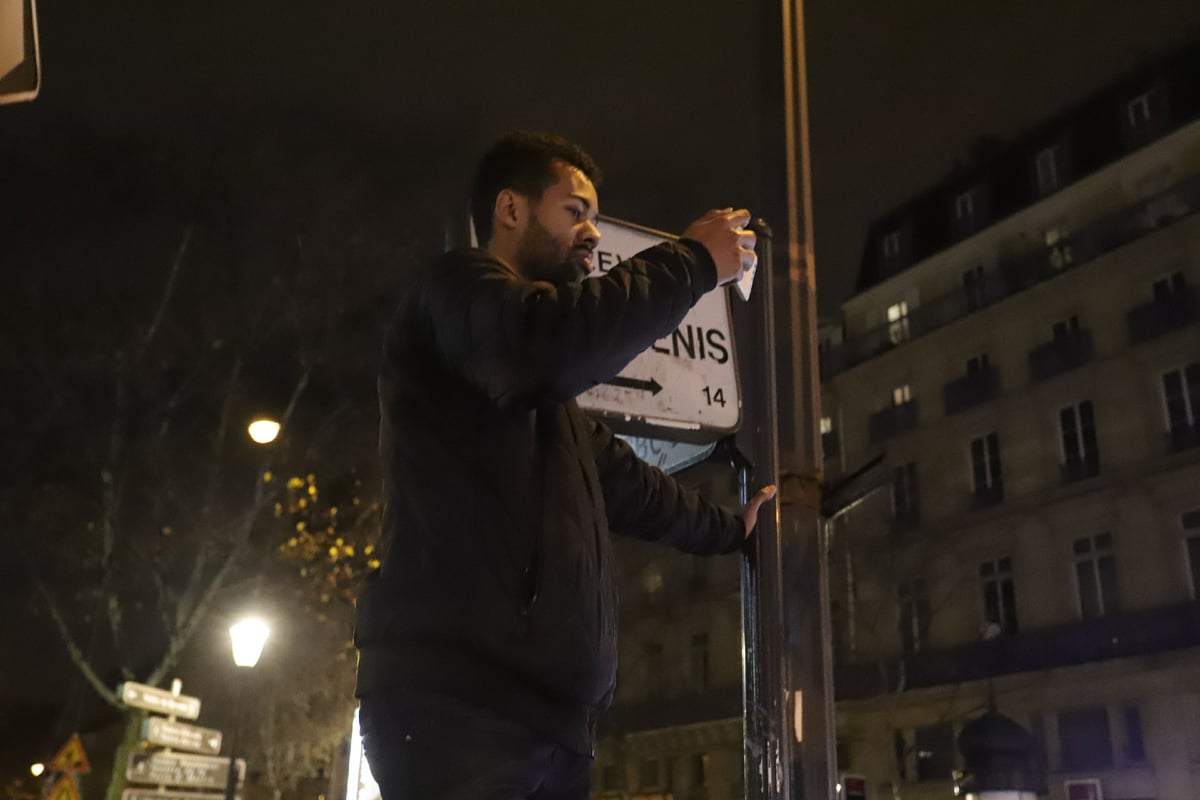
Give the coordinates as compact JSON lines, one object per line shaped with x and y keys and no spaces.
{"x":543,"y":258}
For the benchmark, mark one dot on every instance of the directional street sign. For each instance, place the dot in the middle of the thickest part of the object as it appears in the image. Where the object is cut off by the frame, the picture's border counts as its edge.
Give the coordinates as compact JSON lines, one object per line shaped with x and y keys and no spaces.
{"x":685,"y":387}
{"x":177,"y":769}
{"x":170,"y":794}
{"x":139,"y":695}
{"x":64,"y":789}
{"x":182,"y":736}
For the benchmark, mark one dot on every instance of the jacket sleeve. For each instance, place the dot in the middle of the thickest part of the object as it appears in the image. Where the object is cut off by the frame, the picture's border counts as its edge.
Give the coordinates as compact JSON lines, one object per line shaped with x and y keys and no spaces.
{"x":645,"y":503}
{"x":521,"y":341}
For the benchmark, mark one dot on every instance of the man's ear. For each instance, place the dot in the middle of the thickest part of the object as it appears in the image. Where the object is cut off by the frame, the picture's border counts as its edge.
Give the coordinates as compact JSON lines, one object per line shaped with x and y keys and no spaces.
{"x":509,"y":211}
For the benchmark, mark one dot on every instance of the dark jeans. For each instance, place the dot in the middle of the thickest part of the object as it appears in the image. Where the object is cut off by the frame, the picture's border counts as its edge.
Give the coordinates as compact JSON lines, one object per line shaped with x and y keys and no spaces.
{"x":432,"y":747}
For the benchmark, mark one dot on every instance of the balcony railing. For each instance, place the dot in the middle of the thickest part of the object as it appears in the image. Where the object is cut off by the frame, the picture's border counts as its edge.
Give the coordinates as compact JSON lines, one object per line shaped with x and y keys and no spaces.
{"x":1019,"y":273}
{"x":892,"y":420}
{"x":829,"y":445}
{"x":685,"y":708}
{"x":1060,"y":355}
{"x":905,"y":519}
{"x":1080,"y":469}
{"x":1115,"y":636}
{"x":971,"y":390}
{"x":987,"y":496}
{"x":1158,"y":317}
{"x":1183,"y":437}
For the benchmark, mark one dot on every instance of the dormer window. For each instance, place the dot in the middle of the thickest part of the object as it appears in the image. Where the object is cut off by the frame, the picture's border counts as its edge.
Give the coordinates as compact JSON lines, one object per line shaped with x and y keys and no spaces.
{"x":1046,"y":163}
{"x":891,"y":246}
{"x":1137,"y":110}
{"x":964,"y":206}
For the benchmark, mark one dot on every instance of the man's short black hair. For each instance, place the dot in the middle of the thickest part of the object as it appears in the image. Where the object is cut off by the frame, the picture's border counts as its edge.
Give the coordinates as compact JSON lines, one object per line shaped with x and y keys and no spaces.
{"x":524,"y":162}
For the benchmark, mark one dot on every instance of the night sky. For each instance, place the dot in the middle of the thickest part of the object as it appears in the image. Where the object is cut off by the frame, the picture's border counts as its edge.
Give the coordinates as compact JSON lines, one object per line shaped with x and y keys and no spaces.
{"x":673,"y":97}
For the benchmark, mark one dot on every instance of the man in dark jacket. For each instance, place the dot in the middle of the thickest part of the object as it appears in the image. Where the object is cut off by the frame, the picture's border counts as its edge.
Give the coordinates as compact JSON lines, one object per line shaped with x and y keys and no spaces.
{"x":487,"y":641}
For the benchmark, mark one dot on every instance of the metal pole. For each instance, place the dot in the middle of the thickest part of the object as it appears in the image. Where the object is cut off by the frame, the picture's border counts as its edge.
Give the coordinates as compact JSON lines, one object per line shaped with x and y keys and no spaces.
{"x":767,"y":759}
{"x":231,"y":781}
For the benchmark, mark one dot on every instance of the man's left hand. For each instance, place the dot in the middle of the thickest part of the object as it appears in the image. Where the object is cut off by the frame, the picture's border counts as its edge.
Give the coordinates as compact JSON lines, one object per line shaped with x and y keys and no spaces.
{"x":750,"y":512}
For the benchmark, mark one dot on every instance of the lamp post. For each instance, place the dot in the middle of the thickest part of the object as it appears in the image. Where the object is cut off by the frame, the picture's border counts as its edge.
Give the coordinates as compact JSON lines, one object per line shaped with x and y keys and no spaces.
{"x":247,"y":636}
{"x":263,"y":430}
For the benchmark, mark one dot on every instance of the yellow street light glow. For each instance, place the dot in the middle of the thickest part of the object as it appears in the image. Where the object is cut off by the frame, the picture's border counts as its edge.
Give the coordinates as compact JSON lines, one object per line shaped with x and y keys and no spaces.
{"x":37,"y":769}
{"x":248,"y":637}
{"x":263,"y":431}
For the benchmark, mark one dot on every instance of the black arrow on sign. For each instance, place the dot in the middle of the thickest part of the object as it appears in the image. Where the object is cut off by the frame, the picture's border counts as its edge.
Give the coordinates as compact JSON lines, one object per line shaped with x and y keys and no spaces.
{"x":652,"y":386}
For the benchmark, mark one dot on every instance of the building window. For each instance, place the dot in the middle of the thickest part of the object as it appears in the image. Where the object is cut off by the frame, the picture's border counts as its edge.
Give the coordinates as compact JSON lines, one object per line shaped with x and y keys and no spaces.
{"x":826,"y":425}
{"x":935,"y":752}
{"x":698,"y":575}
{"x":891,"y":246}
{"x":1065,"y":328}
{"x":964,"y":207}
{"x":700,"y":770}
{"x":649,"y":774}
{"x":1191,"y":526}
{"x":1077,"y":430}
{"x":1095,"y":575}
{"x":972,"y":282}
{"x":1170,"y":287}
{"x":652,"y":655}
{"x":914,"y":615}
{"x":1181,"y":397}
{"x":978,"y":364}
{"x":1046,"y":164}
{"x":698,"y":662}
{"x":1084,"y":739}
{"x":610,"y":778}
{"x":1137,"y":110}
{"x":986,"y":474}
{"x":900,"y":751}
{"x":905,"y":500}
{"x":1037,"y":731}
{"x":999,"y":596}
{"x":897,"y":317}
{"x":1135,"y":746}
{"x":901,"y":394}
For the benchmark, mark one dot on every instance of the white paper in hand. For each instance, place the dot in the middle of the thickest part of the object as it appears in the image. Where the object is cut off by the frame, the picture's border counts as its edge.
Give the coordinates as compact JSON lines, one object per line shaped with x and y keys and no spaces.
{"x":746,"y":282}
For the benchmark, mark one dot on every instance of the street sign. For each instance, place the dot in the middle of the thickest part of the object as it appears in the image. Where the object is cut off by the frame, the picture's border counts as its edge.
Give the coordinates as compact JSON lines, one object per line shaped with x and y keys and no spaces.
{"x":670,"y":457}
{"x":64,"y":790}
{"x":71,"y":758}
{"x":182,"y":736}
{"x":170,"y":794}
{"x":20,"y":65}
{"x":685,"y":387}
{"x":139,"y":695}
{"x":178,"y":769}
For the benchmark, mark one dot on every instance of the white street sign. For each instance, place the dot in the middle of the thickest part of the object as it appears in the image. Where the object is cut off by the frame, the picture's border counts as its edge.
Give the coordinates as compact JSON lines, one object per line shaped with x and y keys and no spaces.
{"x":139,"y":695}
{"x":20,"y":65}
{"x":182,"y":736}
{"x":670,"y":457}
{"x":171,"y":794}
{"x":178,"y":769}
{"x":685,"y":385}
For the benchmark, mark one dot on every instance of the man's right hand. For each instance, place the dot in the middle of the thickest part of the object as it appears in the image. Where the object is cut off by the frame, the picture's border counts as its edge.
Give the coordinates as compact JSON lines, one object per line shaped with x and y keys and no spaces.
{"x":730,"y":245}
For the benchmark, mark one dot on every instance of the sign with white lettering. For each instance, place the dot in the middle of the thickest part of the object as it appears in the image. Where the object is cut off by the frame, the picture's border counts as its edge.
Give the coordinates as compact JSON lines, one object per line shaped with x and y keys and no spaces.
{"x":139,"y":695}
{"x":171,"y":794}
{"x":685,"y":387}
{"x":181,"y":736}
{"x":177,"y":769}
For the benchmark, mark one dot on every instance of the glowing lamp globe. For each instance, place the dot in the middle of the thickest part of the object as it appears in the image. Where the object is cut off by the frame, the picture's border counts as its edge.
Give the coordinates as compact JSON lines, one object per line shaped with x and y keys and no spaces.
{"x":263,"y":431}
{"x":248,"y":637}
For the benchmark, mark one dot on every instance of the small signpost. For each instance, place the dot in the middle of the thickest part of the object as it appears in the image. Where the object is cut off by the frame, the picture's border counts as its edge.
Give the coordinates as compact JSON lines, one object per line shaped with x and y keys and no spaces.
{"x":166,"y":769}
{"x":139,"y":695}
{"x":64,"y":789}
{"x":182,"y":736}
{"x":685,"y":387}
{"x":71,"y":759}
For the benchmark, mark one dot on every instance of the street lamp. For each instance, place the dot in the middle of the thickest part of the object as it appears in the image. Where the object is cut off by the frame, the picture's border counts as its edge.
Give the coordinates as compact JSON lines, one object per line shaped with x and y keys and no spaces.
{"x":36,"y":770}
{"x":263,"y":430}
{"x":248,"y":637}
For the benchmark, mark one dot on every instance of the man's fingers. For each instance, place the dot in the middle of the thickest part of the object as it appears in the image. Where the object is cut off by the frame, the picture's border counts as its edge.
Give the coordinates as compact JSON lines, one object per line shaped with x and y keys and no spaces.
{"x":739,"y":218}
{"x":761,"y":496}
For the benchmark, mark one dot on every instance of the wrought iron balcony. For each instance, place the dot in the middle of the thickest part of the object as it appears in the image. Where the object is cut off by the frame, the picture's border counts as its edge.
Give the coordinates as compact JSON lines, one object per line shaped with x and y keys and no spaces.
{"x":892,"y":420}
{"x":1080,"y":469}
{"x":1183,"y":437}
{"x":987,"y":496}
{"x":1022,"y":272}
{"x":1163,"y":315}
{"x":971,"y":390}
{"x":1061,"y":355}
{"x":1114,"y":636}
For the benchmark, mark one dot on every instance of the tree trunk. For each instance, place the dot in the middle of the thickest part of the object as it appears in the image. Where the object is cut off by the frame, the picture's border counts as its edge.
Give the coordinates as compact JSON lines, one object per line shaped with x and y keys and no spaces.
{"x":130,"y":740}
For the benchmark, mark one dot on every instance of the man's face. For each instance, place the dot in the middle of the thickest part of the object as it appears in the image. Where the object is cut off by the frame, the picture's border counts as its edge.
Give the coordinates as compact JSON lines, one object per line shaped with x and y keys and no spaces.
{"x":561,"y":233}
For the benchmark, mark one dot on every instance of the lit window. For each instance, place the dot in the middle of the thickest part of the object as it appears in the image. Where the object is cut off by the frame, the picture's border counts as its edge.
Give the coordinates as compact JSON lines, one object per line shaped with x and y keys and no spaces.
{"x":901,"y":395}
{"x":826,"y":425}
{"x":897,"y":317}
{"x":999,"y":595}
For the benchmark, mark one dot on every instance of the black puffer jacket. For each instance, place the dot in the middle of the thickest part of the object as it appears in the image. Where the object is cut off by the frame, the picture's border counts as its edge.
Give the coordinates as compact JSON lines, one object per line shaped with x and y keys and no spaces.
{"x":497,"y":582}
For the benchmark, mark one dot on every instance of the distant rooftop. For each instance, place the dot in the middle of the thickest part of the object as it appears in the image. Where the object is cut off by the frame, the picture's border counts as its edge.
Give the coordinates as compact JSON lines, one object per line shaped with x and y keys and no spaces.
{"x":1128,"y":114}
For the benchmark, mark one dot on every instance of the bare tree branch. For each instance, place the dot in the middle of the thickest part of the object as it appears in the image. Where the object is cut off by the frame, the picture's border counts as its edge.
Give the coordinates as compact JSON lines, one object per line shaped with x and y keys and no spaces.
{"x":168,"y":292}
{"x":77,"y":656}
